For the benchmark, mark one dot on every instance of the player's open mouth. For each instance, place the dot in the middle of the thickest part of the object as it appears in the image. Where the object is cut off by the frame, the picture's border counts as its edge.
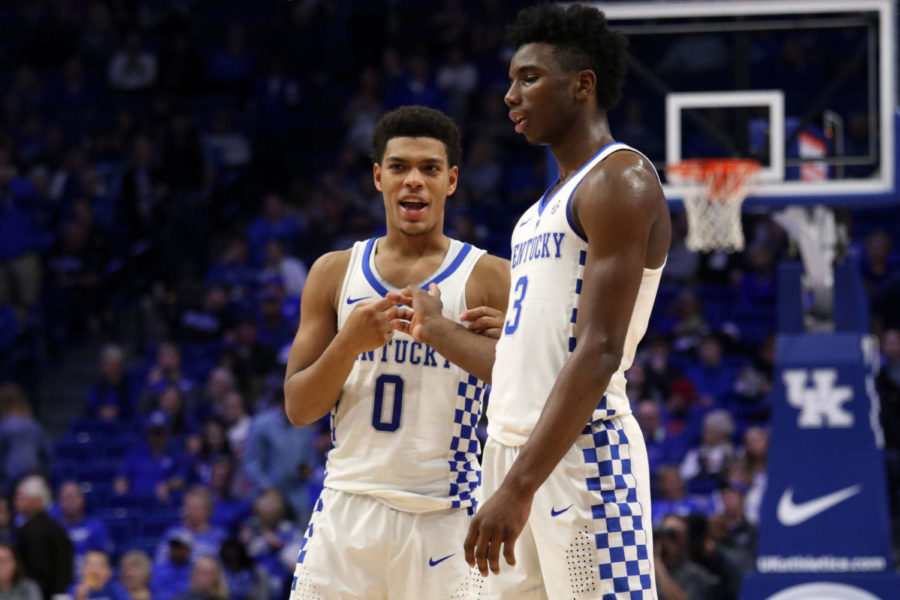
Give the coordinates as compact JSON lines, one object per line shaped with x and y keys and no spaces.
{"x":520,"y":124}
{"x":413,"y":208}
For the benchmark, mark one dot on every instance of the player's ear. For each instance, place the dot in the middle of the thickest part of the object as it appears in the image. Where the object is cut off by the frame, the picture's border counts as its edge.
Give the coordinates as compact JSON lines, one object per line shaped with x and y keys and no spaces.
{"x":453,"y":179}
{"x":585,"y":84}
{"x":376,"y":175}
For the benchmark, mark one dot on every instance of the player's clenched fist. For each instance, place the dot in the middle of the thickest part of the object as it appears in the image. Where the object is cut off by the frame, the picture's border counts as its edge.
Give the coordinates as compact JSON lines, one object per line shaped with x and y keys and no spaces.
{"x":370,"y":325}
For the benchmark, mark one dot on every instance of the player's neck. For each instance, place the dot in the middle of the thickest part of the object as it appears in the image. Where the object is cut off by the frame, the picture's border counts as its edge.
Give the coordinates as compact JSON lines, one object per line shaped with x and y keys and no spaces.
{"x":397,"y":243}
{"x":582,"y":141}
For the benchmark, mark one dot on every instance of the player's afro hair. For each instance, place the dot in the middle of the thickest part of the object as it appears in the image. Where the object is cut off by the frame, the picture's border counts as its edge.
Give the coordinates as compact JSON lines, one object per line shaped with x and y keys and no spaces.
{"x":417,"y":121}
{"x":582,"y":40}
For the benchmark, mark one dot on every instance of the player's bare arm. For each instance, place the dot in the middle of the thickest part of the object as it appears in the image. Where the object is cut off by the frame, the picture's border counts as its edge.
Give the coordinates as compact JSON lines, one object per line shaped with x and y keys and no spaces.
{"x":621,"y":210}
{"x":488,"y":286}
{"x":321,"y":357}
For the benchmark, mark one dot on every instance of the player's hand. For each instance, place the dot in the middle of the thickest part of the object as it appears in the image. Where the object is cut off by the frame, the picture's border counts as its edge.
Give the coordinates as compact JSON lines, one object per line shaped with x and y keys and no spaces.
{"x":485,"y":320}
{"x":425,"y":307}
{"x":370,"y":324}
{"x":498,"y":523}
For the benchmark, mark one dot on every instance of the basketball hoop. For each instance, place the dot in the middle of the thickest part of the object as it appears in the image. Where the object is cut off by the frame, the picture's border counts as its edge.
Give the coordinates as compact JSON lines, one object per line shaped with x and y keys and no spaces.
{"x":714,"y":189}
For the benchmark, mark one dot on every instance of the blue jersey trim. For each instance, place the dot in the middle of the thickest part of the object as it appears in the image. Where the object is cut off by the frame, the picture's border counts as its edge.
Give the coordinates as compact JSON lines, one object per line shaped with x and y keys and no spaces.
{"x":367,"y":271}
{"x":452,"y":267}
{"x":572,"y":195}
{"x":544,"y":201}
{"x":379,"y":287}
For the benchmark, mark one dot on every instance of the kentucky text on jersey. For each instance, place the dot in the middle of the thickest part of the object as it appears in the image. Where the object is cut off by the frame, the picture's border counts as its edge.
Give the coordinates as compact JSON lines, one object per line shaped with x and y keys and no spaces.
{"x":404,"y":350}
{"x":545,"y":245}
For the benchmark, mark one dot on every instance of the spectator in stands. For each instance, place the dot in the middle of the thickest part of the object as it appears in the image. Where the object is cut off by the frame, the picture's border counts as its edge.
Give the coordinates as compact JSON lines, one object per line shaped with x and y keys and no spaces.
{"x":171,"y":577}
{"x":206,"y":537}
{"x":207,"y":581}
{"x":685,"y":323}
{"x":738,"y":533}
{"x":703,"y":468}
{"x":182,"y":428}
{"x":275,"y":222}
{"x":153,"y":466}
{"x":96,"y":580}
{"x":43,"y":546}
{"x":278,"y":263}
{"x":74,"y":276}
{"x":234,"y":413}
{"x":273,"y":540}
{"x":693,"y":580}
{"x":112,"y":397}
{"x":24,"y":445}
{"x":415,"y":86}
{"x":213,"y":445}
{"x":712,"y":378}
{"x":877,"y":264}
{"x":274,"y":330}
{"x":6,"y":521}
{"x":86,"y":533}
{"x":132,"y":68}
{"x":722,"y":562}
{"x":682,"y":418}
{"x":281,"y":456}
{"x":234,"y":270}
{"x":204,"y":324}
{"x":14,"y":585}
{"x":226,"y":148}
{"x":20,"y":243}
{"x":659,"y":374}
{"x":248,"y":358}
{"x":246,"y":580}
{"x":756,"y":287}
{"x":229,"y":509}
{"x":671,"y":498}
{"x":167,"y":372}
{"x":751,"y":470}
{"x":134,"y":574}
{"x":655,"y":437}
{"x":457,"y":77}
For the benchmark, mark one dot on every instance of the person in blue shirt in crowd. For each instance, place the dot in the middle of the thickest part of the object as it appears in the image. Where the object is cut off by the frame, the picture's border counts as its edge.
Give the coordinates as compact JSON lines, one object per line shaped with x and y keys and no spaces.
{"x":96,"y":580}
{"x":281,"y":456}
{"x":206,"y":538}
{"x":153,"y":466}
{"x":172,"y":577}
{"x":24,"y":445}
{"x":87,"y":533}
{"x":272,"y":540}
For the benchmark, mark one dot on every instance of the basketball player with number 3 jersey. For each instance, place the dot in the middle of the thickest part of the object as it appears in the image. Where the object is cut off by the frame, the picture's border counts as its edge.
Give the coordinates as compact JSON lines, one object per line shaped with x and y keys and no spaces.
{"x":401,"y":476}
{"x":566,"y":483}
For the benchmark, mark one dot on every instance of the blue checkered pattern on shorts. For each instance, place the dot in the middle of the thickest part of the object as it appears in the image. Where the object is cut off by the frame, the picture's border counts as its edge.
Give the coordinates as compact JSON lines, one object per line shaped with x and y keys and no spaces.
{"x":465,"y":476}
{"x":619,"y":518}
{"x":306,"y":536}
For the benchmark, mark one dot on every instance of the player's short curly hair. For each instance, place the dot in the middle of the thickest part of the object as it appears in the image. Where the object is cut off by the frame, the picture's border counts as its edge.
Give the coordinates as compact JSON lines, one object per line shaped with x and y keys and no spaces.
{"x":582,"y":40}
{"x":417,"y":121}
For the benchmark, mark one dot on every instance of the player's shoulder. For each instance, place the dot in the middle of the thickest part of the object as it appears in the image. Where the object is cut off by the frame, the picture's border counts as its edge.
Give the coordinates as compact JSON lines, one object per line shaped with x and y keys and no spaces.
{"x":489,"y":265}
{"x":327,"y":274}
{"x":625,"y":177}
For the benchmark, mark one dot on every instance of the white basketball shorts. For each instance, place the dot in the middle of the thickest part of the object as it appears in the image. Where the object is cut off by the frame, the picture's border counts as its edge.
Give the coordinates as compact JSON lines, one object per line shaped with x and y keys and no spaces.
{"x":589,"y":535}
{"x":357,"y":547}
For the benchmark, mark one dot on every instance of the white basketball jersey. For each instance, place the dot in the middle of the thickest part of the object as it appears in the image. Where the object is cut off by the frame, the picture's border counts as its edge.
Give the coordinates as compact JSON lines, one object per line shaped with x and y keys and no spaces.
{"x":403,"y":430}
{"x":548,"y":257}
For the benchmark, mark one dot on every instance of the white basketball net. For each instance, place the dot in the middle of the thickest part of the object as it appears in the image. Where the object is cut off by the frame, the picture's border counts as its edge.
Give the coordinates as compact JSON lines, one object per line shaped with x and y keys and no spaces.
{"x":713,"y":192}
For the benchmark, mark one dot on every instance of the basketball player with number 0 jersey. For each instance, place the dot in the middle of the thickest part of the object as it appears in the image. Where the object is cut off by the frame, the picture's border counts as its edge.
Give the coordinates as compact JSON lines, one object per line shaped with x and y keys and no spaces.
{"x":403,"y":469}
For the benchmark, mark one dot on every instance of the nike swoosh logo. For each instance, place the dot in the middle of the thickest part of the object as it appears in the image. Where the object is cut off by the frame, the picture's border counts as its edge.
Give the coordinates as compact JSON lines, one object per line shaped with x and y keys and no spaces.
{"x":434,"y":563}
{"x":556,"y":513}
{"x":791,"y":514}
{"x":354,"y":300}
{"x":524,"y":223}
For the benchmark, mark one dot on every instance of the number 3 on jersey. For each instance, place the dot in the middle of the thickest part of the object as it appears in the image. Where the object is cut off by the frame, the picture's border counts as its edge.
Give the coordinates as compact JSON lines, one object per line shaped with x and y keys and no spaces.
{"x":521,"y":288}
{"x":378,"y":422}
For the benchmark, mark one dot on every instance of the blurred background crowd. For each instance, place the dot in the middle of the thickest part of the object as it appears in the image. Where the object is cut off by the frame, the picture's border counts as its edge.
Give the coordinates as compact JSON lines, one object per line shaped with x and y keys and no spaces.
{"x":168,"y":171}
